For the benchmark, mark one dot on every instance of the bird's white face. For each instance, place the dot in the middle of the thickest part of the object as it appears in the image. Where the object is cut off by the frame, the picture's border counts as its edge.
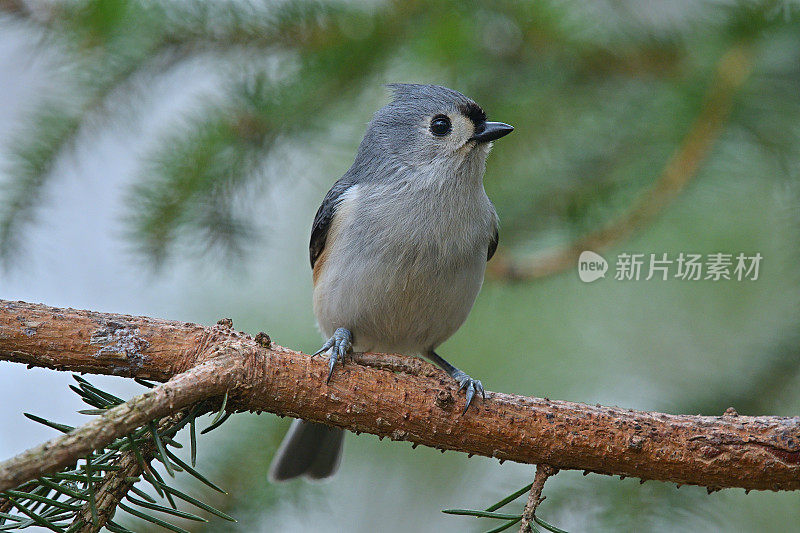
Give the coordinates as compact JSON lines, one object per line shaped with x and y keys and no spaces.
{"x":449,"y":132}
{"x":444,"y":140}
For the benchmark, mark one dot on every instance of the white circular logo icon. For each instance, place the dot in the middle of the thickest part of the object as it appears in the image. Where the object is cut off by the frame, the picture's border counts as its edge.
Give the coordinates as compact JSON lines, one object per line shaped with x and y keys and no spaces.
{"x":591,"y":266}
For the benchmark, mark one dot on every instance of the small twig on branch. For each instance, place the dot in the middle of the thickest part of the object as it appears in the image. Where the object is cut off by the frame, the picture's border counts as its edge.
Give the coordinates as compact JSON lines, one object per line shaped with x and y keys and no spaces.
{"x":396,"y":397}
{"x":535,"y":497}
{"x":732,"y":71}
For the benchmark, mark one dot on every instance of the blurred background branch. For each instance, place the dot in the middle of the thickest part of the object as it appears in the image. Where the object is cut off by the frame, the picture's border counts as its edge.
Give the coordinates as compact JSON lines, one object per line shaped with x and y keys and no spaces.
{"x":13,"y":6}
{"x":199,"y":137}
{"x":286,"y":63}
{"x":732,"y":71}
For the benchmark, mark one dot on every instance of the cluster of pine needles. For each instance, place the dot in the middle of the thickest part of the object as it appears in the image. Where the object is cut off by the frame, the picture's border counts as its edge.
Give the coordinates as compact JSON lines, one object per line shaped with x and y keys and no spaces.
{"x":508,"y":519}
{"x":113,"y":477}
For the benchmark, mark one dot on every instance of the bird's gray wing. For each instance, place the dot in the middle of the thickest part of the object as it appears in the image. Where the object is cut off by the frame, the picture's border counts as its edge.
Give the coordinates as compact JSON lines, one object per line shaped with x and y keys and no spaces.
{"x":493,"y":243}
{"x":325,"y":213}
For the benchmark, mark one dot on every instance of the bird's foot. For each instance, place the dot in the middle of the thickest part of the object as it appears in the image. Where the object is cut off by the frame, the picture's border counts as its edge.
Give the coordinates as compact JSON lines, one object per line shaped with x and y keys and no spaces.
{"x":337,"y":346}
{"x":466,"y":383}
{"x":469,"y":385}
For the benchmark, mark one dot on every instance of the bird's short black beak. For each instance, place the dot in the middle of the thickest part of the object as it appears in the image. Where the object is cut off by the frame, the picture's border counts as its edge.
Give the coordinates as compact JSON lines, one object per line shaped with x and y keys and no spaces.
{"x":490,"y":131}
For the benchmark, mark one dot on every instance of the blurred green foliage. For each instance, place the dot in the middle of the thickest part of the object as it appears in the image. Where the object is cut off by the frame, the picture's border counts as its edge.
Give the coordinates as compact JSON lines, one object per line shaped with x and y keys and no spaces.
{"x":601,"y":95}
{"x":566,"y":74}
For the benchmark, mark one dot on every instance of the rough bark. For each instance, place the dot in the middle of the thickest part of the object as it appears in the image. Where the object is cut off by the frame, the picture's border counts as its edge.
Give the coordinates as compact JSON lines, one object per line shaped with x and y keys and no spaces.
{"x":387,"y":395}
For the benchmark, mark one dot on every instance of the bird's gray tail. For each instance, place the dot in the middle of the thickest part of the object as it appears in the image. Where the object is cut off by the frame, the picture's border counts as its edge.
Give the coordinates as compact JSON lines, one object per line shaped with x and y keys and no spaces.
{"x":308,"y":449}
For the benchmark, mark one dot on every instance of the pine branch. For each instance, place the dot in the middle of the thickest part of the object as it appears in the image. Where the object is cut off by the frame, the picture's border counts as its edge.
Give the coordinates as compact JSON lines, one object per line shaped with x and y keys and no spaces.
{"x":386,"y":395}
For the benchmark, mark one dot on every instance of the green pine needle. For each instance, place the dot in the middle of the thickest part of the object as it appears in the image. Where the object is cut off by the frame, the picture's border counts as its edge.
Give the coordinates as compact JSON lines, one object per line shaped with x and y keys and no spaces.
{"x":93,"y":412}
{"x":105,"y":468}
{"x":96,"y":393}
{"x":166,"y":510}
{"x":142,"y":494}
{"x":62,"y":488}
{"x":221,"y":409}
{"x":89,"y":398}
{"x":197,"y":503}
{"x":15,"y":518}
{"x":547,"y":526}
{"x":63,"y":428}
{"x":41,"y":499}
{"x":173,"y":466}
{"x":74,"y":476}
{"x":510,"y":498}
{"x":217,"y":424}
{"x":161,"y":484}
{"x":171,"y":442}
{"x":113,"y":527}
{"x":75,"y":527}
{"x":90,"y":488}
{"x":193,"y":439}
{"x":175,"y":459}
{"x":161,"y":454}
{"x":482,"y":514}
{"x":113,"y":400}
{"x":505,"y":526}
{"x":144,"y":383}
{"x":33,"y":516}
{"x":151,"y":519}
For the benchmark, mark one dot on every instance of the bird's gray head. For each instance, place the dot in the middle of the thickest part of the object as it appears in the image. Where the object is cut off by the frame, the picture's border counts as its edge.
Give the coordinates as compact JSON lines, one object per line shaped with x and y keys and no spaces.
{"x":430,"y":125}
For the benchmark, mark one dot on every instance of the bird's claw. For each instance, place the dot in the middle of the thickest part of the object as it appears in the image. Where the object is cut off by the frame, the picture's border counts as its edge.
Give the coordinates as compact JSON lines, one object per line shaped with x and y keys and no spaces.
{"x":337,"y":346}
{"x":471,"y":386}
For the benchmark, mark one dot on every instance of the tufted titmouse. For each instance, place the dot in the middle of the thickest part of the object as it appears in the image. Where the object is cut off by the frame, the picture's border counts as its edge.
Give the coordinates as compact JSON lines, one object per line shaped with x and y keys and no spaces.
{"x":399,"y":247}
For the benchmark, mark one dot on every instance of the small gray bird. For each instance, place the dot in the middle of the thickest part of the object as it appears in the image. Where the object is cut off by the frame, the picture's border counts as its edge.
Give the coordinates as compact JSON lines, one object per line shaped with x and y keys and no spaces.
{"x":399,"y":247}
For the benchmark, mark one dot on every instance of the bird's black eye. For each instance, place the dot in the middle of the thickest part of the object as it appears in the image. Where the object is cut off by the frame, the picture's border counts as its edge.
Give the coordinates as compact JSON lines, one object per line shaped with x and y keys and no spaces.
{"x":440,"y":125}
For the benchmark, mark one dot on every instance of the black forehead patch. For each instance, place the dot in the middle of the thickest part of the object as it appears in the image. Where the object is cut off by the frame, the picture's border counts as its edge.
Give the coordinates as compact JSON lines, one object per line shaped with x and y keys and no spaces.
{"x":474,"y":112}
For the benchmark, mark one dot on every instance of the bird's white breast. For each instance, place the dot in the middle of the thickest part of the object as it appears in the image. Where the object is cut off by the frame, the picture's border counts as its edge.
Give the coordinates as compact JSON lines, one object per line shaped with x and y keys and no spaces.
{"x":404,"y":261}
